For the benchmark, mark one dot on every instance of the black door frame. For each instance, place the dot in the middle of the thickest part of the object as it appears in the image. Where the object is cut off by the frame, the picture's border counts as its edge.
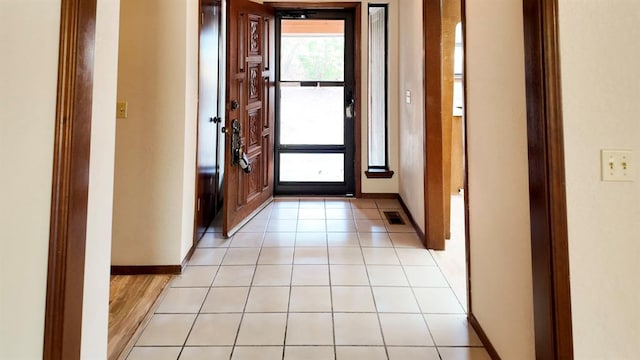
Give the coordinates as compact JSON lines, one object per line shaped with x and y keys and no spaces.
{"x":321,"y":188}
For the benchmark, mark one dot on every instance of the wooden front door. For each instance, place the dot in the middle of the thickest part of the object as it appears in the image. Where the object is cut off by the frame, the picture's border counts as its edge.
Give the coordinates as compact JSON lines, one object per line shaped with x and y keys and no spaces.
{"x":249,"y":119}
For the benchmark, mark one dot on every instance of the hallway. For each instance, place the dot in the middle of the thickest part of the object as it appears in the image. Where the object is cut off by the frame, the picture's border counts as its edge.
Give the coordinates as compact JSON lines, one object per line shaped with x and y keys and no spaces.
{"x":311,"y":279}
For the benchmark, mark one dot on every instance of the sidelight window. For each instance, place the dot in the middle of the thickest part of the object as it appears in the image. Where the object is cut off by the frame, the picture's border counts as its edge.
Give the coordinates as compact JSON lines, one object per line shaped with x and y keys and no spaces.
{"x":378,"y":157}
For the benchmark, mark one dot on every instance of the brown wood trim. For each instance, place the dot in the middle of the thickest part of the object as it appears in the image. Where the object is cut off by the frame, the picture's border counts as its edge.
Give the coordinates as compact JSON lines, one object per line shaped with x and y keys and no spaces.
{"x":296,"y":5}
{"x":70,"y":188}
{"x":189,"y":255}
{"x":410,"y":216}
{"x":379,"y":174}
{"x":379,"y":196}
{"x":357,"y":128}
{"x":467,"y":232}
{"x":549,"y":237}
{"x":433,"y":144}
{"x":450,"y":18}
{"x":491,"y":350}
{"x":146,"y":270}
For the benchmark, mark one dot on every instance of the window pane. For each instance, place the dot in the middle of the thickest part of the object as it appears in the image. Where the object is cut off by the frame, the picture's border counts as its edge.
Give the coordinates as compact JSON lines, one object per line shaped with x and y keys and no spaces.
{"x":311,"y":167}
{"x":311,"y":115}
{"x":458,"y":54}
{"x":377,"y":87}
{"x":312,"y":50}
{"x":458,"y":66}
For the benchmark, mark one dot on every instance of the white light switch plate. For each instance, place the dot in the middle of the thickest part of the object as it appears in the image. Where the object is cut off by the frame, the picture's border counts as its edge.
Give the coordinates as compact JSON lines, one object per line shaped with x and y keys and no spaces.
{"x":617,"y":165}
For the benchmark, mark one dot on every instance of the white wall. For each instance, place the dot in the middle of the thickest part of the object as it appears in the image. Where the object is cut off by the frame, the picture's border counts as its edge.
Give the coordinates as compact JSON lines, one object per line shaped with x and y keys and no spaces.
{"x":192,"y":36}
{"x":155,"y":145}
{"x":501,"y":285}
{"x":28,"y":78}
{"x":28,"y":97}
{"x":411,"y":129}
{"x":394,"y":119}
{"x":601,"y":84}
{"x":95,"y":311}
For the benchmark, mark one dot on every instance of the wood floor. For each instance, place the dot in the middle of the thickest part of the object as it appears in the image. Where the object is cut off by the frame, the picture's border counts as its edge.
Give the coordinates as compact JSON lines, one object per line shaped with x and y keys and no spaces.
{"x":130,"y":299}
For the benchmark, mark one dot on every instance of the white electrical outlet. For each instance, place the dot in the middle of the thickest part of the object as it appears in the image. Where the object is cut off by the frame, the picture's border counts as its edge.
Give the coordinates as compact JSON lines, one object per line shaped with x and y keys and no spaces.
{"x":617,"y":165}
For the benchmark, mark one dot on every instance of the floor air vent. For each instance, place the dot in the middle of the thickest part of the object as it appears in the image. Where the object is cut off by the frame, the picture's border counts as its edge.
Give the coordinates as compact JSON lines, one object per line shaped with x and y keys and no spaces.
{"x":394,"y":218}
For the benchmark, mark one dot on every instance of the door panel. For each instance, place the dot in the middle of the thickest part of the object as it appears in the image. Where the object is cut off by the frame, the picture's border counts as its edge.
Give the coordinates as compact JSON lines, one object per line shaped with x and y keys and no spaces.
{"x":250,"y":97}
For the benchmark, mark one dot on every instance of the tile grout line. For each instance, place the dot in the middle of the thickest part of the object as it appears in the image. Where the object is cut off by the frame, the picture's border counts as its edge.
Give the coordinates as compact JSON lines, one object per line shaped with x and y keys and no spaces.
{"x":184,"y":344}
{"x":375,"y":303}
{"x":415,"y":298}
{"x":244,"y":310}
{"x":286,"y":323}
{"x":333,"y":319}
{"x":329,"y":264}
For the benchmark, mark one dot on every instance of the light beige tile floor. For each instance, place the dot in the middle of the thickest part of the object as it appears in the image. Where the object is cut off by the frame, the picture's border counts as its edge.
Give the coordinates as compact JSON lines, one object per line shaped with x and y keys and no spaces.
{"x":307,"y":279}
{"x":451,"y":261}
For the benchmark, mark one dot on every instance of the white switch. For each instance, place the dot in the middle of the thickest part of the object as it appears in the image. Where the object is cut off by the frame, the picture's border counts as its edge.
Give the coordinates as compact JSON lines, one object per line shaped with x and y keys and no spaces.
{"x":407,"y":96}
{"x":617,"y":165}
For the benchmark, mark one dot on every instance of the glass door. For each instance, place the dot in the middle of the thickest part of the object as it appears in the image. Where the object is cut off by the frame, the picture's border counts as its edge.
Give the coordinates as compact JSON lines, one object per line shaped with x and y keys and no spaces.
{"x":314,"y":116}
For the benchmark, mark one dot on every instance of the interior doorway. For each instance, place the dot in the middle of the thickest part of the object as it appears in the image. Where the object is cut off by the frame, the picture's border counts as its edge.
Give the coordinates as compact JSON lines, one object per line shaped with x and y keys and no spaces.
{"x":210,"y":156}
{"x":315,"y":107}
{"x":453,"y":259}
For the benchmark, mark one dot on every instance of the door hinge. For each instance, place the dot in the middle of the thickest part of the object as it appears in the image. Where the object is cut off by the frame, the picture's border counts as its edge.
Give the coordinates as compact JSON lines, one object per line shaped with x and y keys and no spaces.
{"x":202,"y":18}
{"x":198,"y":204}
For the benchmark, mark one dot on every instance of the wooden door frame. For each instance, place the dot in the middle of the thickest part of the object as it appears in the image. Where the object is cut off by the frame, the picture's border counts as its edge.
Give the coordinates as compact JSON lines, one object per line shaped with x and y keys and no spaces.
{"x":547,"y":191}
{"x":70,"y":188}
{"x":433,"y":137}
{"x":548,"y":215}
{"x":65,"y":278}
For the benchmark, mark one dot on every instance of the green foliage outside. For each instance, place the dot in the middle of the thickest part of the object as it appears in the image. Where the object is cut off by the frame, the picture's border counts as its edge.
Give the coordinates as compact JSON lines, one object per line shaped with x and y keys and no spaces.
{"x":312,"y":58}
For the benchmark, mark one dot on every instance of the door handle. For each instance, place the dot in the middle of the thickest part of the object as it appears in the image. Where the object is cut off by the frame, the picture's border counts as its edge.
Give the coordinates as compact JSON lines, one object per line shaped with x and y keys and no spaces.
{"x":238,"y":155}
{"x":350,"y":105}
{"x":236,"y":141}
{"x":350,"y":109}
